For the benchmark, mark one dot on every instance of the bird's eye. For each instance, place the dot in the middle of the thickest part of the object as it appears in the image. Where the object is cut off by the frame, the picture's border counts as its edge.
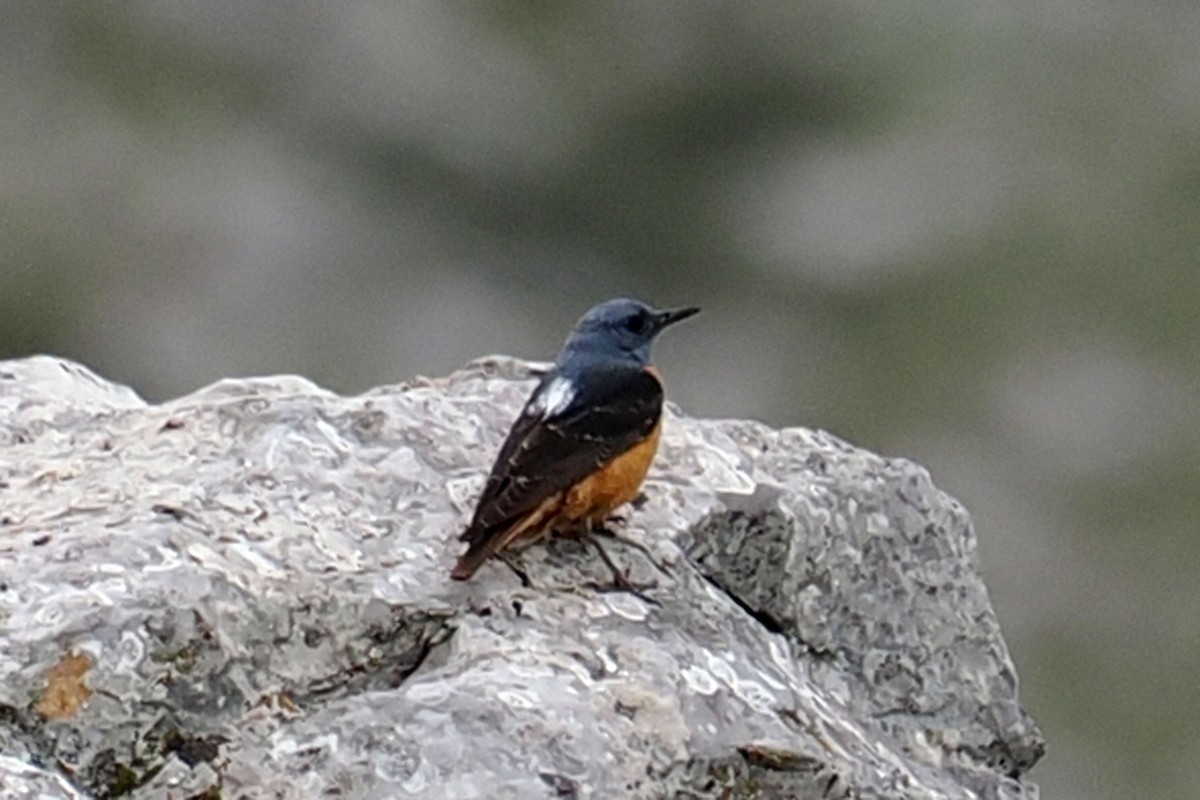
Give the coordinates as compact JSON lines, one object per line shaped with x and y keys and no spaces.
{"x":637,"y":323}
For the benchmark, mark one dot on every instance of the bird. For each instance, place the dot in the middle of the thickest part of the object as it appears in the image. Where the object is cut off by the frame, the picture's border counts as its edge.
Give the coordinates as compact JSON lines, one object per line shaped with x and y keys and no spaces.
{"x":584,"y":440}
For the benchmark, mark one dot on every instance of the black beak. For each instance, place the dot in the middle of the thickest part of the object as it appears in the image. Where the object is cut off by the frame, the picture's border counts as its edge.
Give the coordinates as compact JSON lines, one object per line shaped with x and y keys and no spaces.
{"x":673,"y":315}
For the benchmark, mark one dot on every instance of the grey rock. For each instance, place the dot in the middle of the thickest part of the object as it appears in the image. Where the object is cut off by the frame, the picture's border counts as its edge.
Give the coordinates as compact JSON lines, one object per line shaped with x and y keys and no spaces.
{"x":22,"y":781}
{"x":245,"y":591}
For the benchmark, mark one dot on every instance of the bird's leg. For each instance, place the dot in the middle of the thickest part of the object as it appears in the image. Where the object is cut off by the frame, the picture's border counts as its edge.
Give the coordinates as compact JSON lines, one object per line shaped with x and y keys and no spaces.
{"x":619,"y":518}
{"x":520,"y":573}
{"x":615,"y":518}
{"x":587,"y":530}
{"x":603,"y":529}
{"x":620,"y":581}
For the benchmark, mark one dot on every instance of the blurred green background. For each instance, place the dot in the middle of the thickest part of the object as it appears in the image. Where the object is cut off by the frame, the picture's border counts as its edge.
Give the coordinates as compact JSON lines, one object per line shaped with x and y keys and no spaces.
{"x":966,"y":233}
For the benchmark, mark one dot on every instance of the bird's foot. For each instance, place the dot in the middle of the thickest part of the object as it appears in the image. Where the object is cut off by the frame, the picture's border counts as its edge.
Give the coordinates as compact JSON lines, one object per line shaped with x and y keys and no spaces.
{"x":620,"y":581}
{"x":604,"y":530}
{"x":521,"y":574}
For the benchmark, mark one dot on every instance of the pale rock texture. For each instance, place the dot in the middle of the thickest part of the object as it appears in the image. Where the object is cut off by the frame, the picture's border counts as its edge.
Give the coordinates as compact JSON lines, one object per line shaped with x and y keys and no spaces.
{"x":244,"y":593}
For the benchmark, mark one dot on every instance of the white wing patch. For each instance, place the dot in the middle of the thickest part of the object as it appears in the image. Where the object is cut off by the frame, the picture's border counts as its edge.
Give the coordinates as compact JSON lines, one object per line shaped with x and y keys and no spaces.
{"x":554,"y":399}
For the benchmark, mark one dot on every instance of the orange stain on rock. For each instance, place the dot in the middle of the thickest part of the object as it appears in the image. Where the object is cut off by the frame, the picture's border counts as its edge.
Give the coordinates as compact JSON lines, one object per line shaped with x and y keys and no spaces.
{"x":65,"y":692}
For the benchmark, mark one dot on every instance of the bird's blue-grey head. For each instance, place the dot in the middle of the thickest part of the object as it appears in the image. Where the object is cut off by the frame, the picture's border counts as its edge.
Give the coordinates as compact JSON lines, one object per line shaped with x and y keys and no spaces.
{"x":621,"y":329}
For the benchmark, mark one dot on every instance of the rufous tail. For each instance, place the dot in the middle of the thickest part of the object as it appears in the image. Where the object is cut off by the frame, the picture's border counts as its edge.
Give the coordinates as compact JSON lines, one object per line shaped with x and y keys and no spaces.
{"x":473,"y":559}
{"x":489,"y":542}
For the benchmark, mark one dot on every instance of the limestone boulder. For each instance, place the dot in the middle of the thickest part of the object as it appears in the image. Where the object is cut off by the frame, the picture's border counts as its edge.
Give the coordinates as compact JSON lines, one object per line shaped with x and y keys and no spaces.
{"x":244,"y":592}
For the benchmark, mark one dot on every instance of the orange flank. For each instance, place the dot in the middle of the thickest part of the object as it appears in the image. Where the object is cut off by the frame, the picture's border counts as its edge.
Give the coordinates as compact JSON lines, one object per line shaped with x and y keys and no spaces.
{"x":589,"y":501}
{"x":613,"y":485}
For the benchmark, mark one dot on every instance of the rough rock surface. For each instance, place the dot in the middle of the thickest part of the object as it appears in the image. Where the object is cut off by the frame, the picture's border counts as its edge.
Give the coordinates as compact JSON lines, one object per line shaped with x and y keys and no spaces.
{"x":244,"y":593}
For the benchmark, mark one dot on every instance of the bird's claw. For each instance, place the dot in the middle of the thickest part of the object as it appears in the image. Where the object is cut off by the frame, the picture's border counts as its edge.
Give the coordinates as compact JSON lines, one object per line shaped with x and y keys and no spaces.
{"x":621,"y":583}
{"x":521,"y":574}
{"x":625,"y":540}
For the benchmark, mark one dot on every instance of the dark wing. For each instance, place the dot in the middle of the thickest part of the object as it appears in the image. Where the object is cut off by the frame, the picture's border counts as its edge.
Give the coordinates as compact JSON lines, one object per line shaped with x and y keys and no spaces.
{"x":612,"y":410}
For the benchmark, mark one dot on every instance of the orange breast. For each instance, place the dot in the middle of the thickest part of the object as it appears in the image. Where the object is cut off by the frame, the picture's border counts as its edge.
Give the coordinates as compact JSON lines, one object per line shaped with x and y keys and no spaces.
{"x":614,"y":484}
